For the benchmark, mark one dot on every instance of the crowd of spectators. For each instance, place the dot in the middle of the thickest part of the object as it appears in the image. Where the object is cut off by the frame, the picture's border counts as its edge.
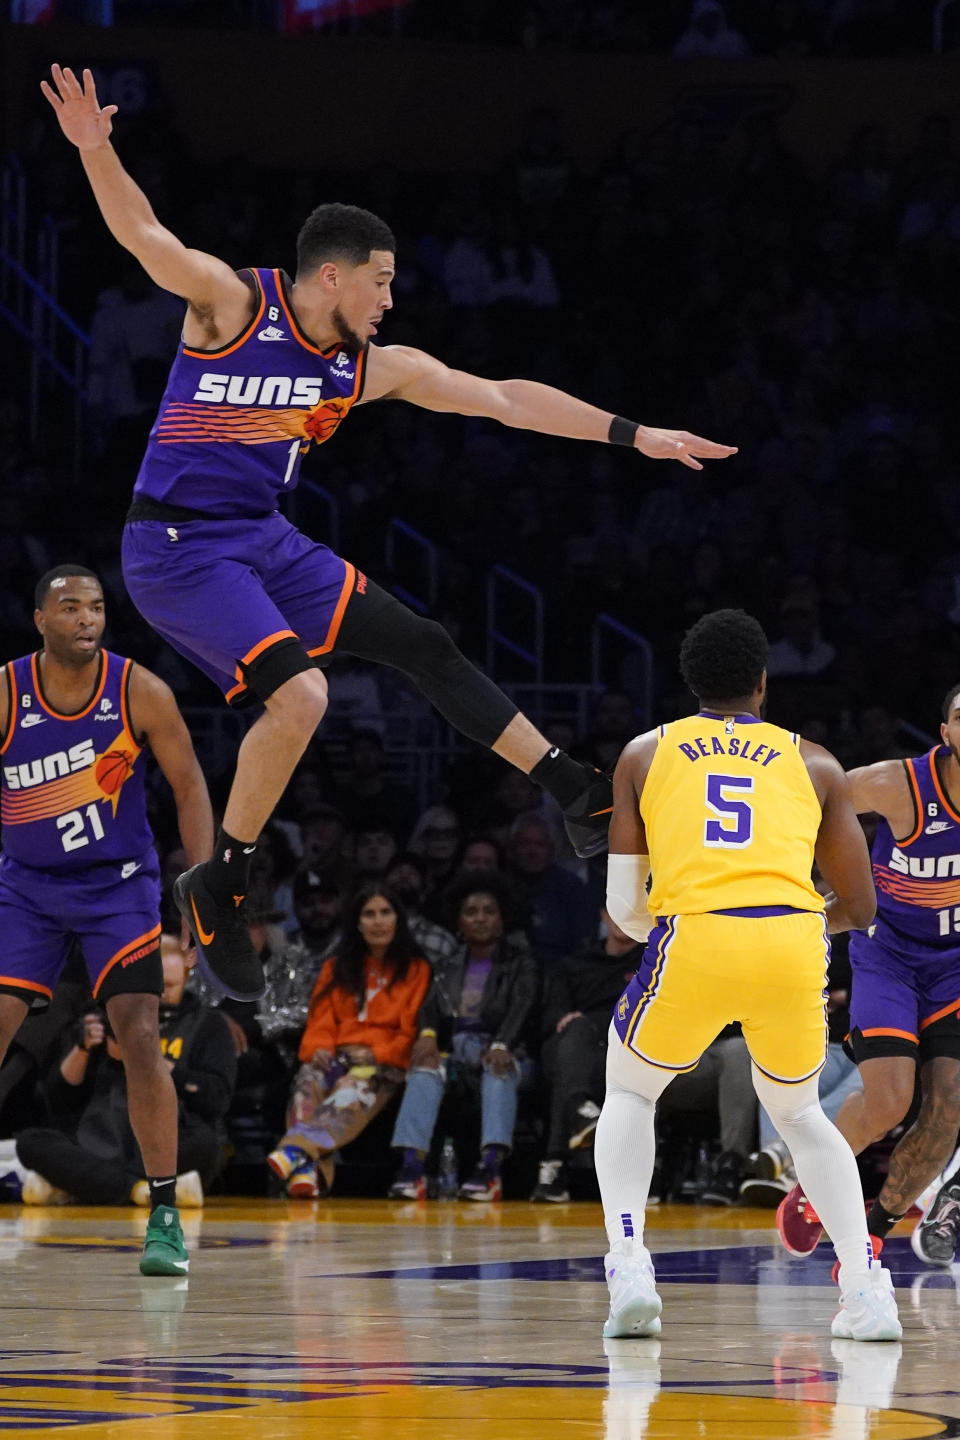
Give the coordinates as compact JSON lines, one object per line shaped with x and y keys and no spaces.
{"x":716,"y":28}
{"x":457,"y":971}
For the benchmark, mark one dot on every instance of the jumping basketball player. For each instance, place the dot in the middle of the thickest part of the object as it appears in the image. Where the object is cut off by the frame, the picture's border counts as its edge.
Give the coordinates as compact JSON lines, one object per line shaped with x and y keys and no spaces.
{"x":267,"y":367}
{"x":78,"y":858}
{"x":728,"y":812}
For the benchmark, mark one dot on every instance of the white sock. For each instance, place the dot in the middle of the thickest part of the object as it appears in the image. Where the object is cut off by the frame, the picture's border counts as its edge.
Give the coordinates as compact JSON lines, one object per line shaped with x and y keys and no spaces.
{"x":825,"y":1165}
{"x":624,"y":1146}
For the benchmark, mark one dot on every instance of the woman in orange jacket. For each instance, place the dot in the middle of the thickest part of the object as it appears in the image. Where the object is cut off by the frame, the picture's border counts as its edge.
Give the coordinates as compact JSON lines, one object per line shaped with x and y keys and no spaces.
{"x":356,"y":1046}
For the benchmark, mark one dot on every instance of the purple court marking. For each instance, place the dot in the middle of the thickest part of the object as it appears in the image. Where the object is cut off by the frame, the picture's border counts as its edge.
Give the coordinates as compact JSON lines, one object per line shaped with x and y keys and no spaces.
{"x":728,"y":1265}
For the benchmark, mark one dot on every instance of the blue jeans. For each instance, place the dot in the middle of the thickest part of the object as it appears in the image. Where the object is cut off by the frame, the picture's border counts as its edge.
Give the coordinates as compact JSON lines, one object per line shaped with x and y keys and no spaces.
{"x":424,"y":1093}
{"x":838,"y":1079}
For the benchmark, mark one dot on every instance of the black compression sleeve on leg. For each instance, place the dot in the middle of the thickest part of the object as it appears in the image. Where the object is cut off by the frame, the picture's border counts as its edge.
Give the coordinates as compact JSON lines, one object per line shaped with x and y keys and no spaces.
{"x":376,"y":626}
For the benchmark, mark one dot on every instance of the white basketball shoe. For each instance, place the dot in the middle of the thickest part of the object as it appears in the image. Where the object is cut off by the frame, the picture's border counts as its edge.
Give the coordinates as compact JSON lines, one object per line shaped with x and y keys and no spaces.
{"x":634,"y":1303}
{"x":868,"y":1309}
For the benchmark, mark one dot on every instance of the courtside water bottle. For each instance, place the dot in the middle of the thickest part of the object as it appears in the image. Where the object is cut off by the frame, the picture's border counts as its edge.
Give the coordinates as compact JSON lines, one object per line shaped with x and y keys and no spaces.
{"x":448,"y":1182}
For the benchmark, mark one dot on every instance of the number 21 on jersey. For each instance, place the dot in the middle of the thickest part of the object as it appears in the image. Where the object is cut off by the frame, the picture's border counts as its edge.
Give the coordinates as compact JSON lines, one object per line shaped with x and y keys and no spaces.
{"x":729,"y":822}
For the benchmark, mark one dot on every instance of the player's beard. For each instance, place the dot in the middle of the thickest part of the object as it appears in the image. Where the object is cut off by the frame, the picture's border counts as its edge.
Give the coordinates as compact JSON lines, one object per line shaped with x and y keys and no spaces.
{"x":350,"y":340}
{"x":953,"y":751}
{"x":73,"y":659}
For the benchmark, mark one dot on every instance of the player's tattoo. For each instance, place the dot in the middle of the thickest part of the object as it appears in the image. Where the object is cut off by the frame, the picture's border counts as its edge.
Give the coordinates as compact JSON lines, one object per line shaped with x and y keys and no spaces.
{"x":920,"y":1156}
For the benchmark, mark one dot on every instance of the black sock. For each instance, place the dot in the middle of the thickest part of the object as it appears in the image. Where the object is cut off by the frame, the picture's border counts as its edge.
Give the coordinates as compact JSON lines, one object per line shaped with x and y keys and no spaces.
{"x":163,"y":1191}
{"x":565,"y":779}
{"x":880,"y":1222}
{"x":227,"y":873}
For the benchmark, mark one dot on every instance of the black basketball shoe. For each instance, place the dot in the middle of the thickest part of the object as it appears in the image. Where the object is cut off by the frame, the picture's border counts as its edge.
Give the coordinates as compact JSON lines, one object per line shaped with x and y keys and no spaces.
{"x":225,"y":952}
{"x":587,"y":819}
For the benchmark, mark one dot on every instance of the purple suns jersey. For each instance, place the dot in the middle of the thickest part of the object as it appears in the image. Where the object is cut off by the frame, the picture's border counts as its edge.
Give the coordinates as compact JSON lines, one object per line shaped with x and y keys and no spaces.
{"x":72,"y":785}
{"x":918,"y":879}
{"x":234,"y":423}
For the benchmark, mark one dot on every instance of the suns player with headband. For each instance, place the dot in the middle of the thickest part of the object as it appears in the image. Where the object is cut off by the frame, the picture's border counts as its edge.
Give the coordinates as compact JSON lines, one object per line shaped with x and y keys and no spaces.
{"x":905,"y":1000}
{"x":78,"y":860}
{"x":728,"y":812}
{"x":268,"y":367}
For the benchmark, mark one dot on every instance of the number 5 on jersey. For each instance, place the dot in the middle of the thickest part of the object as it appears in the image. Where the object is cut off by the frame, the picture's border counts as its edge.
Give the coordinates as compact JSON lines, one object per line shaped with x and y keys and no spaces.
{"x":730,"y":823}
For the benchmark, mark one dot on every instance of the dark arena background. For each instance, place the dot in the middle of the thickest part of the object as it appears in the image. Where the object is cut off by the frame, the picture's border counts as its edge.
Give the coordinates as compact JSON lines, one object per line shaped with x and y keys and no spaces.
{"x":740,"y":219}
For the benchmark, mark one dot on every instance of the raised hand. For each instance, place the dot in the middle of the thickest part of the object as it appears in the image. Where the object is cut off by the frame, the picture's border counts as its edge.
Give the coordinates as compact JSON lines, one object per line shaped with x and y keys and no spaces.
{"x":77,"y":108}
{"x":680,"y":445}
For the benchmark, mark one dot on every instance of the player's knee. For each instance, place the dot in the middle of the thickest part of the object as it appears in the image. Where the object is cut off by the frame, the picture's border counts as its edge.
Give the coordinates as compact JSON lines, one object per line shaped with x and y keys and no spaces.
{"x":435,"y":647}
{"x":885,"y":1109}
{"x":133,"y":1019}
{"x":301,"y":703}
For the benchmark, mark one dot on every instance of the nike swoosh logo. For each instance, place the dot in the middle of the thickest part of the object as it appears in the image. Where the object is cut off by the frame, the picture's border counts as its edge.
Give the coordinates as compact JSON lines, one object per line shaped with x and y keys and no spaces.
{"x":204,"y":936}
{"x":594,"y":813}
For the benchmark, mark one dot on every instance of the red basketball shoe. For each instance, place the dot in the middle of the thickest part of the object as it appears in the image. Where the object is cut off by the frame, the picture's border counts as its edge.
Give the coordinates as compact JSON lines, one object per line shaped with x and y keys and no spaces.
{"x":798,"y":1223}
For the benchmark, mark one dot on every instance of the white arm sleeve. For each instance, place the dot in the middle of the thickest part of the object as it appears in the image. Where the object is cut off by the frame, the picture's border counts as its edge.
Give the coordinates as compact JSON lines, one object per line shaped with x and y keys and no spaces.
{"x":627,"y":877}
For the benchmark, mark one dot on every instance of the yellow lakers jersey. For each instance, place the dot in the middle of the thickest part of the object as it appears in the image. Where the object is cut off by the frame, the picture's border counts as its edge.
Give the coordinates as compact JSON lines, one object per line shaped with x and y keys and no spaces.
{"x":731,"y":817}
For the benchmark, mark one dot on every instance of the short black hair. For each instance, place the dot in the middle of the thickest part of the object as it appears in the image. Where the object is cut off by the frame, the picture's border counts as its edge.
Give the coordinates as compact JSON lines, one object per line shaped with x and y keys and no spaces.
{"x":482,"y":882}
{"x":948,"y":700}
{"x":66,"y":572}
{"x":341,"y":232}
{"x":724,"y":655}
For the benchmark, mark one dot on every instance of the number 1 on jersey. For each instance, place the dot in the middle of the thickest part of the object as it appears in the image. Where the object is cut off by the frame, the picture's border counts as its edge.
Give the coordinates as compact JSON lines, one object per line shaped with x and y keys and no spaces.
{"x":731,"y":823}
{"x":294,"y":452}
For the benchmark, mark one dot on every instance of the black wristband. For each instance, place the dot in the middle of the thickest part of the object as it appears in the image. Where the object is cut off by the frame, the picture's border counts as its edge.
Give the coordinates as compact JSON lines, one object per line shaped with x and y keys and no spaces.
{"x":622,"y":432}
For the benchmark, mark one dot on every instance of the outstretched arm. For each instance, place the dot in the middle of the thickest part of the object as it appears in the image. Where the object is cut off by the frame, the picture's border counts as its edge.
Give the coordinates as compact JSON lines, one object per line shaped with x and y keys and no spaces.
{"x":400,"y":373}
{"x":211,"y":287}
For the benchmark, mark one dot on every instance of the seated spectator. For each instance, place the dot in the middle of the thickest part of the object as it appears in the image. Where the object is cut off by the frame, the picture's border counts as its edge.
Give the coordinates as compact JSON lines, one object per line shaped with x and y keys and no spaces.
{"x":581,"y":995}
{"x":720,"y":1085}
{"x":407,"y":875}
{"x":800,"y":648}
{"x":317,"y":907}
{"x":374,"y":849}
{"x":614,"y":724}
{"x":366,"y":792}
{"x":323,"y":831}
{"x":91,"y":1154}
{"x":481,"y":852}
{"x":471,"y":1034}
{"x":436,"y":839}
{"x":356,"y":1046}
{"x":708,"y":33}
{"x":271,"y":873}
{"x":561,"y":911}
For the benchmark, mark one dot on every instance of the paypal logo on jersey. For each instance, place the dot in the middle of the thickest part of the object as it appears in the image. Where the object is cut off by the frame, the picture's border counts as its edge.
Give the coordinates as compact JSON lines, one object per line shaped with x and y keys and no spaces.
{"x":305,"y":390}
{"x":924,"y":867}
{"x":50,"y":767}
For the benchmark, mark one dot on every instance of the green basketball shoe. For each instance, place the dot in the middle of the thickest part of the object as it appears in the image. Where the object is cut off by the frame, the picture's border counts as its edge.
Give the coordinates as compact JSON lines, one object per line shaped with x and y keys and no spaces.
{"x":164,"y":1252}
